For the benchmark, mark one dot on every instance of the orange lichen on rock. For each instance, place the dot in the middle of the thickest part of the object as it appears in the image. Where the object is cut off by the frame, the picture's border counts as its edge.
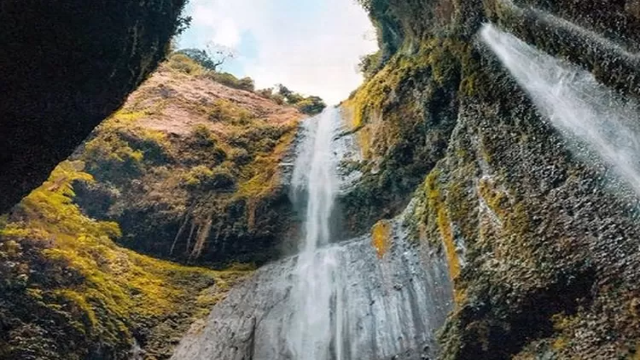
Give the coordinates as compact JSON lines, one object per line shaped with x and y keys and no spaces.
{"x":381,"y":237}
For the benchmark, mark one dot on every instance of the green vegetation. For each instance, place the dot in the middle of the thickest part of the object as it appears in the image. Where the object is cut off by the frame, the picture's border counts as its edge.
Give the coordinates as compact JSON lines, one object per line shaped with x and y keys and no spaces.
{"x":199,"y":195}
{"x":310,"y":105}
{"x":404,"y":136}
{"x":206,"y":192}
{"x":500,"y":198}
{"x":68,"y":292}
{"x":245,"y":83}
{"x":202,"y":63}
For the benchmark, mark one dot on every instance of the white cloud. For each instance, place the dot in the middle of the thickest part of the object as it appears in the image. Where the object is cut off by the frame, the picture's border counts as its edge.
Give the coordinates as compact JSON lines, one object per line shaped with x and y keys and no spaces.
{"x":312,"y":46}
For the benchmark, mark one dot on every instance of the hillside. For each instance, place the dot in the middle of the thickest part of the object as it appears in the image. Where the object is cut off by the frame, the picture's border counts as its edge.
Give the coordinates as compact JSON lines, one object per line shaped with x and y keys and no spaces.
{"x":481,"y":202}
{"x":188,"y":169}
{"x":61,"y":78}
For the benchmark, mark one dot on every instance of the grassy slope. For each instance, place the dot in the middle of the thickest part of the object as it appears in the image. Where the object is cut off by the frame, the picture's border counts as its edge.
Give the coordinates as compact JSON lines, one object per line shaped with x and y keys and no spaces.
{"x":68,"y":292}
{"x":190,"y":168}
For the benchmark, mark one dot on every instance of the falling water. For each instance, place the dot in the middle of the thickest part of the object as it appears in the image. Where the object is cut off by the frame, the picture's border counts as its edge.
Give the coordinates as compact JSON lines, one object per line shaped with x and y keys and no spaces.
{"x":315,"y":321}
{"x":574,"y":102}
{"x":335,"y":300}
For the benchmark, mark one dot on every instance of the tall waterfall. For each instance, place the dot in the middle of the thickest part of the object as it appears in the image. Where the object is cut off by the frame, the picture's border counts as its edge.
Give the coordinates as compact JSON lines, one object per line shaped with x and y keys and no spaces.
{"x":315,"y":328}
{"x":334,"y":300}
{"x":599,"y":120}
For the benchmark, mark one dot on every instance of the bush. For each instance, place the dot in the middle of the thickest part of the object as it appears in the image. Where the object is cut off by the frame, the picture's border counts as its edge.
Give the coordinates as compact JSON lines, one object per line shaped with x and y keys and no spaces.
{"x":203,"y":178}
{"x":240,"y":156}
{"x":226,"y":111}
{"x":185,"y":64}
{"x":370,"y":64}
{"x":311,"y":106}
{"x":203,"y":136}
{"x":109,"y":157}
{"x":230,"y":80}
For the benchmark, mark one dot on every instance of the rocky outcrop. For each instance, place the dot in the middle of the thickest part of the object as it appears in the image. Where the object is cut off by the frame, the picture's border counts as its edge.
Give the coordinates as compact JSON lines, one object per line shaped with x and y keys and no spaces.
{"x":192,"y":170}
{"x":387,"y":307}
{"x":541,"y":246}
{"x":66,"y":66}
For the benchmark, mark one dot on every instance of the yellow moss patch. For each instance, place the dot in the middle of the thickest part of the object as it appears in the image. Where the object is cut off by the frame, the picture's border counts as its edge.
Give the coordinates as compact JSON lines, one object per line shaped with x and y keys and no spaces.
{"x":559,"y":344}
{"x":436,"y":203}
{"x":261,"y":176}
{"x":439,"y":57}
{"x":381,"y":237}
{"x":117,"y":285}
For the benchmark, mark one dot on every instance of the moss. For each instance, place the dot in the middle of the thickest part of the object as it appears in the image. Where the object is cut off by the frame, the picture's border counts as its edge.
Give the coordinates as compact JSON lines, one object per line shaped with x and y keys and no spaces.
{"x":437,"y":206}
{"x":69,"y":268}
{"x":402,"y":117}
{"x":216,"y":175}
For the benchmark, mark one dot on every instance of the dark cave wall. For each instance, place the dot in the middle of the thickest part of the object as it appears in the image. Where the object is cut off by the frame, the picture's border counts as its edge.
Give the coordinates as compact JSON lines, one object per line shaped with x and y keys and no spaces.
{"x":64,"y":67}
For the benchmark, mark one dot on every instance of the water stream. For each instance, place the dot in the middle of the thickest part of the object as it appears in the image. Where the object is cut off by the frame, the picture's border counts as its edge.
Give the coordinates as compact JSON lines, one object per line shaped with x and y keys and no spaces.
{"x":315,"y":327}
{"x":592,"y":117}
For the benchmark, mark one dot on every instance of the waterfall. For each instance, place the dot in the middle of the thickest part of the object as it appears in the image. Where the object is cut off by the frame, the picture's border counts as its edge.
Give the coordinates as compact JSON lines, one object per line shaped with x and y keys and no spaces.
{"x":316,"y":323}
{"x":593,"y":117}
{"x":334,"y":300}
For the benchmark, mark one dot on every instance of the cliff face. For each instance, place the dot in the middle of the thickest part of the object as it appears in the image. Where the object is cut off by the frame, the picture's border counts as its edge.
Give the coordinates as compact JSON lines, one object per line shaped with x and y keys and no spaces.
{"x":188,"y":169}
{"x":541,"y":247}
{"x":64,"y":68}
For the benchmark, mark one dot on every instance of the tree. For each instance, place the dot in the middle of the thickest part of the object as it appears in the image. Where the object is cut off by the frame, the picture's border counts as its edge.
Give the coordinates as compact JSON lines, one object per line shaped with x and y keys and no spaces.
{"x":310,"y":105}
{"x":211,"y":58}
{"x":370,"y":64}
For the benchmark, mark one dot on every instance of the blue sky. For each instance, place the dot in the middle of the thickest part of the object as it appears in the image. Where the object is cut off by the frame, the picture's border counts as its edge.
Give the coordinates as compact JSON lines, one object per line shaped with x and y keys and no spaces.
{"x":311,"y":46}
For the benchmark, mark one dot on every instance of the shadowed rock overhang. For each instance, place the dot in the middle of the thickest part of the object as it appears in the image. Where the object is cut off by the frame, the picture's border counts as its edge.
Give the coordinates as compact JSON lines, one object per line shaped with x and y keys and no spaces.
{"x":64,"y":67}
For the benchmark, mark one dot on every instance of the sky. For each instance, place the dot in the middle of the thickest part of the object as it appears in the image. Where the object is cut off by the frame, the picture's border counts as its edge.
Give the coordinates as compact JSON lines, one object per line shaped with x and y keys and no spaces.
{"x":311,"y":46}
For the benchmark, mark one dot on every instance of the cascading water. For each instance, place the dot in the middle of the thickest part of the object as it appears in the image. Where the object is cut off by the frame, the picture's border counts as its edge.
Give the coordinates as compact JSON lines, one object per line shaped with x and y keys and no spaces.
{"x":333,"y":301}
{"x":315,"y":322}
{"x":575,"y":103}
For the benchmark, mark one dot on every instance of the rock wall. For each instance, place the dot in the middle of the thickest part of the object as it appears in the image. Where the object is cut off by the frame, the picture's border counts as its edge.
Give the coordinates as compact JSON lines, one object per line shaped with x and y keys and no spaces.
{"x":65,"y":67}
{"x":541,"y":247}
{"x":386,"y":307}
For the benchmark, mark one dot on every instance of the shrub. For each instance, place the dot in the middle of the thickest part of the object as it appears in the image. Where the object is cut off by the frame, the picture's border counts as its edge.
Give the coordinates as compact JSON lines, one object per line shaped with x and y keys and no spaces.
{"x":108,"y":156}
{"x":203,"y":178}
{"x":152,"y":143}
{"x":202,"y":136}
{"x":226,"y":111}
{"x":185,"y":64}
{"x":370,"y":64}
{"x":311,"y":106}
{"x":230,"y":80}
{"x":240,"y":156}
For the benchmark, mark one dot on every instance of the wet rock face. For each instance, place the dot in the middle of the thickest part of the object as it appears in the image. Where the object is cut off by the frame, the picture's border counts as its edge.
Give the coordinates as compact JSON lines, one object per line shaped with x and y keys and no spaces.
{"x":65,"y":66}
{"x":391,"y":308}
{"x":542,"y":234}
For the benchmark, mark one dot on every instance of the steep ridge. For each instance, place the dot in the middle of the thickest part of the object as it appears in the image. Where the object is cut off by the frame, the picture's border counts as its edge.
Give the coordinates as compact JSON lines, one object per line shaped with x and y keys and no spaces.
{"x":539,"y":230}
